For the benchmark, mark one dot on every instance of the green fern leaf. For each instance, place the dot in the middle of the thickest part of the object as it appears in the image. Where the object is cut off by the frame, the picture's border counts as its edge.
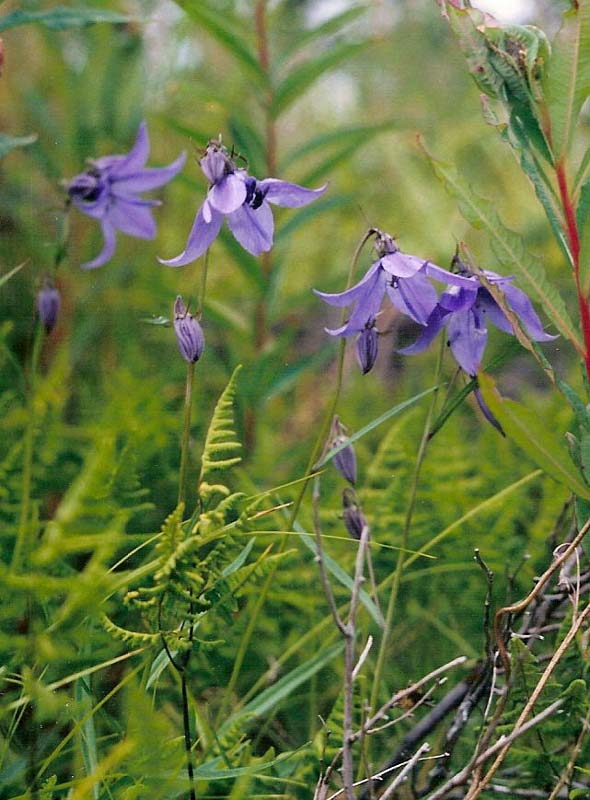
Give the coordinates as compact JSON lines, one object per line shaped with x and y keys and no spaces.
{"x":222,"y":448}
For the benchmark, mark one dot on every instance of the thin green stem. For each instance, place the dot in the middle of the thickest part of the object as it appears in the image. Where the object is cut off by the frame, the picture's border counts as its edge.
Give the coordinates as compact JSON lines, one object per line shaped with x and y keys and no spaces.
{"x":187,"y":737}
{"x":393,"y":595}
{"x":315,"y":453}
{"x":22,"y":544}
{"x":186,"y":432}
{"x":202,"y":286}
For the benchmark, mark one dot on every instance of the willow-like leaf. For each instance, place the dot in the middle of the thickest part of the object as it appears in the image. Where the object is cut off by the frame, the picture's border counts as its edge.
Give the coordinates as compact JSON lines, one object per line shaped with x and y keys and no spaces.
{"x":301,"y":78}
{"x":508,"y":249}
{"x":60,"y":18}
{"x":227,"y":32}
{"x":568,"y":79}
{"x":330,"y":27}
{"x":534,"y":436}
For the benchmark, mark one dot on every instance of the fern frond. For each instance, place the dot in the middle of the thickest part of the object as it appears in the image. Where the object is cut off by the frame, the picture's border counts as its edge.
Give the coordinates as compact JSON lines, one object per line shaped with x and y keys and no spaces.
{"x":222,"y":448}
{"x":133,"y":638}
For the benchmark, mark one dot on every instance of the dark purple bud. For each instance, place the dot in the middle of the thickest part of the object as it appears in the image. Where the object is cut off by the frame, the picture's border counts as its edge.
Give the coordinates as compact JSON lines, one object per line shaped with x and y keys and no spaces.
{"x":345,"y":460}
{"x":189,"y":333}
{"x":354,"y":519}
{"x":48,"y":304}
{"x":366,"y":348}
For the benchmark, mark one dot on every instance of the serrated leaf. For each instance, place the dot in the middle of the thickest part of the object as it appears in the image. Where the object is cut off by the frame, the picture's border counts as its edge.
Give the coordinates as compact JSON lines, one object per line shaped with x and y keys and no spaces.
{"x":226,"y":32}
{"x":60,"y":18}
{"x":568,"y":78}
{"x":508,"y":249}
{"x":534,"y":435}
{"x":8,"y":143}
{"x":302,"y":77}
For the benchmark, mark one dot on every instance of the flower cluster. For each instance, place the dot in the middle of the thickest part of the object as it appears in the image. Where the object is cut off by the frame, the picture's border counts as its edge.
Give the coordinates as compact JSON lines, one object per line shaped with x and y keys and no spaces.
{"x":463,"y":308}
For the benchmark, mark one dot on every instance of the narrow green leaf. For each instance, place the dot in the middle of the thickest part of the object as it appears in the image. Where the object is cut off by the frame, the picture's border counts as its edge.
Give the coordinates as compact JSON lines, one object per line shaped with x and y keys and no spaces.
{"x":284,"y":687}
{"x":8,"y":143}
{"x":535,"y":436}
{"x":85,"y":720}
{"x":213,"y":770}
{"x":227,"y":32}
{"x":392,"y":412}
{"x":303,"y":215}
{"x":302,"y":77}
{"x":159,"y":664}
{"x":508,"y":249}
{"x":355,"y":136}
{"x":341,"y":575}
{"x":60,"y":18}
{"x":331,"y":26}
{"x":8,"y":275}
{"x":567,"y":83}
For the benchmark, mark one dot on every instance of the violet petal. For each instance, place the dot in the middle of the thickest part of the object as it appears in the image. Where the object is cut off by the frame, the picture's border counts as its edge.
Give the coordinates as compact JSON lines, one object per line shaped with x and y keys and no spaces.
{"x":199,"y":239}
{"x":288,"y":195}
{"x":253,"y":228}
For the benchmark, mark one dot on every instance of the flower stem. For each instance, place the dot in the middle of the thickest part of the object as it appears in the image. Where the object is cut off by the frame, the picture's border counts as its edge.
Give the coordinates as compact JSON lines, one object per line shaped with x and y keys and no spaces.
{"x":22,"y":544}
{"x":186,"y":432}
{"x":315,"y":453}
{"x":202,"y":287}
{"x":574,"y":245}
{"x":187,"y":737}
{"x":405,"y":534}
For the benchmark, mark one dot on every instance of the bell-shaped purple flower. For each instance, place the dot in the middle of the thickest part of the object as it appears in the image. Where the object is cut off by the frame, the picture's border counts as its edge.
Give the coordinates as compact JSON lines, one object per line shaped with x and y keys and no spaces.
{"x":400,"y":276}
{"x":109,"y":192}
{"x":465,"y":312}
{"x":243,"y":201}
{"x":48,"y":305}
{"x":189,"y":334}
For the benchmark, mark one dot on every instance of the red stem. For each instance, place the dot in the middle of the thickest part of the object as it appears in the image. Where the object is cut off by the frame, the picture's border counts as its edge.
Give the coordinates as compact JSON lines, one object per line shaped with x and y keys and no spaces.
{"x":574,"y":245}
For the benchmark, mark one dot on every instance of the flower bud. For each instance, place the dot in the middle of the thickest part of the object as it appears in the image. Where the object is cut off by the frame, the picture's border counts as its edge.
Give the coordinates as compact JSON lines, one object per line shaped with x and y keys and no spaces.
{"x":366,"y":348}
{"x":48,"y":304}
{"x":189,"y":333}
{"x":354,"y":519}
{"x":345,"y":460}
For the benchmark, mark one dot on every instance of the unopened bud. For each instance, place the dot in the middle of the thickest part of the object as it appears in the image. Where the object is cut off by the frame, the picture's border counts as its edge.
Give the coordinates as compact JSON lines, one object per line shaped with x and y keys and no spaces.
{"x":354,"y":519}
{"x":345,"y":459}
{"x":48,"y":305}
{"x":366,"y":348}
{"x":189,"y":333}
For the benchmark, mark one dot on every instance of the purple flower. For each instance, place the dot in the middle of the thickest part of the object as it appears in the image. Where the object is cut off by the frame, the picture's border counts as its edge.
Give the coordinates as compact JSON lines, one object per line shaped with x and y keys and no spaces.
{"x":243,"y":200}
{"x":189,"y":334}
{"x":404,"y":279}
{"x":108,"y":192}
{"x":465,"y":312}
{"x":48,"y":305}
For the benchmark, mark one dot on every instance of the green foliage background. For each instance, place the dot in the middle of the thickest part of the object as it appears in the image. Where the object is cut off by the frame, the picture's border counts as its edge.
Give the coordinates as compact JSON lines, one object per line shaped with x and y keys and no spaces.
{"x":108,"y":404}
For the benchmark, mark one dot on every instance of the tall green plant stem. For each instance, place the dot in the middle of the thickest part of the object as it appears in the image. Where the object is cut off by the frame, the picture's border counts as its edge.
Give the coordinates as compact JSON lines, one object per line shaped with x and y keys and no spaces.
{"x":22,"y":544}
{"x":186,"y":432}
{"x":574,"y":245}
{"x":315,"y":453}
{"x":393,"y":595}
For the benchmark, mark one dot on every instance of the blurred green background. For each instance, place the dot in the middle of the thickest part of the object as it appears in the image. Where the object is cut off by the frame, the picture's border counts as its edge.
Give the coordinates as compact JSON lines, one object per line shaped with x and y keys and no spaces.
{"x":83,"y":92}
